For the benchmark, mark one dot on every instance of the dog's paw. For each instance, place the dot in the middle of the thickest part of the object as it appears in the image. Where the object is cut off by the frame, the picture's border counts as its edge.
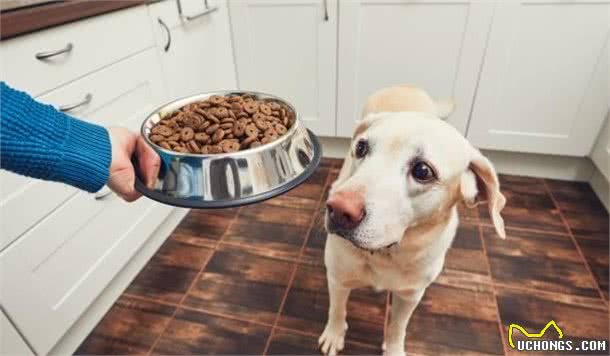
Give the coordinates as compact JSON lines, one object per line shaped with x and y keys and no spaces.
{"x":332,"y":339}
{"x":393,"y":349}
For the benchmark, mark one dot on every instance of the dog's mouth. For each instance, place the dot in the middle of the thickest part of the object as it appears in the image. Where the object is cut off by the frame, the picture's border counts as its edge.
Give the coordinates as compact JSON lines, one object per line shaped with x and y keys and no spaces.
{"x":349,"y":236}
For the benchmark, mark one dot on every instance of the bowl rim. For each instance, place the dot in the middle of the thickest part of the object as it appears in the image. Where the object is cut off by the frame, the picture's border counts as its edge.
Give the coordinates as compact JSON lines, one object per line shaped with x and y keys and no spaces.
{"x":203,"y":95}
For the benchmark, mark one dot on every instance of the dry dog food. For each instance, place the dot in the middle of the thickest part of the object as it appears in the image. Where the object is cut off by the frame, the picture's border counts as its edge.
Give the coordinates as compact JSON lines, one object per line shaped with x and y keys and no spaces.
{"x":223,"y":124}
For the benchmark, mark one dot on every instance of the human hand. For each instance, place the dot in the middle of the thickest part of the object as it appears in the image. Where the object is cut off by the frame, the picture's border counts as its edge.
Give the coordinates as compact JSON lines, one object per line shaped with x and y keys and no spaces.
{"x":121,"y":178}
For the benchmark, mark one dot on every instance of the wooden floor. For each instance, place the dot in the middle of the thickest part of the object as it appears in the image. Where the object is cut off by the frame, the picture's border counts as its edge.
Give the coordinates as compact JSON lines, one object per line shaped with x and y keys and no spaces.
{"x":252,"y":280}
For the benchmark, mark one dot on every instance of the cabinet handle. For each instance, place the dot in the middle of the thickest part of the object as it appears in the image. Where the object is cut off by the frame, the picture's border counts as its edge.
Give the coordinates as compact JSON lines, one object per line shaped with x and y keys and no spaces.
{"x":208,"y":10}
{"x":169,"y":34}
{"x":45,"y":55}
{"x":325,"y":10}
{"x":103,"y":193}
{"x":85,"y":101}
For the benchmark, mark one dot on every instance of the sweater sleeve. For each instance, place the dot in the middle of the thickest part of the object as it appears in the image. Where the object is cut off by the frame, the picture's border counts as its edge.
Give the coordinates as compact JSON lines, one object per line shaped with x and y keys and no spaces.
{"x":38,"y":141}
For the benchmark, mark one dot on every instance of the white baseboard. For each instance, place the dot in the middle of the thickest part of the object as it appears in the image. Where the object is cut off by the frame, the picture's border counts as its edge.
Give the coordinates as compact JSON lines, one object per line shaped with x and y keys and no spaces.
{"x":601,"y":188}
{"x":523,"y":164}
{"x":79,"y":331}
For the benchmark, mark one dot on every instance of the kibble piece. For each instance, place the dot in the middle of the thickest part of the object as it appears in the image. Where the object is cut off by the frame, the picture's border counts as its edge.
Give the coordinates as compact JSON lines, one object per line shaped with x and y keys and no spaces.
{"x":218,"y":136}
{"x":213,"y":128}
{"x":157,"y":138}
{"x":187,"y":134}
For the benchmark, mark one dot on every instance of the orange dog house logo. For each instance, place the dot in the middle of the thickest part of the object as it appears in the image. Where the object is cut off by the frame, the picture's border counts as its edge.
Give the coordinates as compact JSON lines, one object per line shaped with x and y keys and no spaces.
{"x":534,"y":341}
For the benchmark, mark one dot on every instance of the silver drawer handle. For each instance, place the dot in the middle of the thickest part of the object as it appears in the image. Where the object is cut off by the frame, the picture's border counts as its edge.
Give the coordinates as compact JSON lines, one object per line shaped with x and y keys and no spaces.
{"x":103,"y":193}
{"x":45,"y":55}
{"x":71,"y":107}
{"x":208,"y":10}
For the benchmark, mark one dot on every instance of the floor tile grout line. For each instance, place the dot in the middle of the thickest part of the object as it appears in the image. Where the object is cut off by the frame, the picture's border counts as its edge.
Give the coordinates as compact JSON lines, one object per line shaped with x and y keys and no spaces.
{"x":495,"y":293}
{"x":256,"y":248}
{"x":553,"y":294}
{"x":296,"y":265}
{"x":152,"y":348}
{"x":571,"y":234}
{"x":526,"y":229}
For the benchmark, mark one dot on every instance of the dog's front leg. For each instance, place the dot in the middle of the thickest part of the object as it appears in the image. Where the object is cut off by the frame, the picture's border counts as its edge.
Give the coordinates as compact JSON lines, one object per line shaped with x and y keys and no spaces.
{"x":332,"y":339}
{"x":403,"y":305}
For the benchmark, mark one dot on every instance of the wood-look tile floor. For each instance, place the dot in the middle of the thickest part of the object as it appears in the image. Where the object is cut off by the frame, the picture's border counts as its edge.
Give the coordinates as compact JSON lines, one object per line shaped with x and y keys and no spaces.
{"x":252,"y":280}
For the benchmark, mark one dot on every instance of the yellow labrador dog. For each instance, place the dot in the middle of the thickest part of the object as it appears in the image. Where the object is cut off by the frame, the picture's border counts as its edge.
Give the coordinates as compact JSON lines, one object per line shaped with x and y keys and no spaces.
{"x":391,"y":214}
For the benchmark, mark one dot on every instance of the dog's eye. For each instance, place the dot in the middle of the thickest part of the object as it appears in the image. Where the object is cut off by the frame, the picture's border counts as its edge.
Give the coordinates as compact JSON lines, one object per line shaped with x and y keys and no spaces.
{"x":362,"y":148}
{"x":422,"y":172}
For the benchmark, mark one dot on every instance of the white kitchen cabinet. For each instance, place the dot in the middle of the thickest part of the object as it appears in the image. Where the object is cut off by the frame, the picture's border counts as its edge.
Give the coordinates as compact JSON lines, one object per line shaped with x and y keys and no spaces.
{"x":288,"y":48}
{"x":600,"y":154}
{"x":544,"y":84}
{"x":61,"y":259}
{"x":196,"y":55}
{"x":140,"y":89}
{"x":437,"y":46}
{"x":11,"y":342}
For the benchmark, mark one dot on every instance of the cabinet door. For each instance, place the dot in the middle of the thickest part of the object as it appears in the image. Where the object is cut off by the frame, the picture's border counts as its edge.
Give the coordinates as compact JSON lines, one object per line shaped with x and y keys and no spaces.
{"x":288,"y":48}
{"x":199,"y":55}
{"x":55,"y":268}
{"x":11,"y":342}
{"x":544,"y":86}
{"x":437,"y":46}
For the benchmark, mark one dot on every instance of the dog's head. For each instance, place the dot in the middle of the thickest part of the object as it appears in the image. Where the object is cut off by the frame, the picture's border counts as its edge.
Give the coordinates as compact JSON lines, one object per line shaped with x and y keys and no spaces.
{"x":407,"y":170}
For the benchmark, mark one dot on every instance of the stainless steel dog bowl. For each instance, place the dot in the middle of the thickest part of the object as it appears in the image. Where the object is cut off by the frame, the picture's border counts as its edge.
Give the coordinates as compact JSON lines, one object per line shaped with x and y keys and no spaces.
{"x":231,"y":179}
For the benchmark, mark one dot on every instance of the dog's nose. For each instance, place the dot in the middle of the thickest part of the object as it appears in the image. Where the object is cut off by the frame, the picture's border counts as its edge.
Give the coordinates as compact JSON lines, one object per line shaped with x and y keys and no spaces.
{"x":346,"y":209}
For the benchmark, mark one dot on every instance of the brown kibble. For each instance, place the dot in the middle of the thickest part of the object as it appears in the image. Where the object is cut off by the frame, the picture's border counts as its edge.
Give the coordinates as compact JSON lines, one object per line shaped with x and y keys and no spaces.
{"x":280,"y":129}
{"x":216,"y":99}
{"x":215,"y":149}
{"x":157,"y":138}
{"x":202,"y":137}
{"x":213,"y":128}
{"x":223,"y":124}
{"x":261,"y":124}
{"x":162,"y":130}
{"x":187,"y":134}
{"x":265,"y":109}
{"x":218,"y":136}
{"x":193,"y":147}
{"x":251,"y":107}
{"x":222,"y":112}
{"x":251,"y":130}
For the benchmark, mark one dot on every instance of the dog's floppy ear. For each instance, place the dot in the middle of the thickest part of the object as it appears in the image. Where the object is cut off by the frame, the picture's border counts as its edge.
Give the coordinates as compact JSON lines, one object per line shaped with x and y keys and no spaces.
{"x":479,"y":184}
{"x":444,"y":108}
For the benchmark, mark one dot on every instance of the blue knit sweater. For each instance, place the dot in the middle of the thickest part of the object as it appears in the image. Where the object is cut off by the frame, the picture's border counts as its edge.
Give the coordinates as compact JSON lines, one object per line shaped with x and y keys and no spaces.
{"x":36,"y":140}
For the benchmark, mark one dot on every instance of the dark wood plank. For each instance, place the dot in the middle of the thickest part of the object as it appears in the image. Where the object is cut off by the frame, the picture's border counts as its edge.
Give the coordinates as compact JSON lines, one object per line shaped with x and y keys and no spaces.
{"x":168,"y":275}
{"x":596,"y":253}
{"x":204,"y":227}
{"x":195,"y":333}
{"x":528,"y":205}
{"x":538,"y":260}
{"x":455,"y":320}
{"x":306,"y":307}
{"x":272,"y":240}
{"x":241,"y":284}
{"x":533,"y":310}
{"x":130,"y":327}
{"x":27,"y":20}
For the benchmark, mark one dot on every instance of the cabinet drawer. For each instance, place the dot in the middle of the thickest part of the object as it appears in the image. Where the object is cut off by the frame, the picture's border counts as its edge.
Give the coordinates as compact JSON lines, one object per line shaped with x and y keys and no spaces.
{"x":96,"y":42}
{"x":54,"y":272}
{"x":24,"y":201}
